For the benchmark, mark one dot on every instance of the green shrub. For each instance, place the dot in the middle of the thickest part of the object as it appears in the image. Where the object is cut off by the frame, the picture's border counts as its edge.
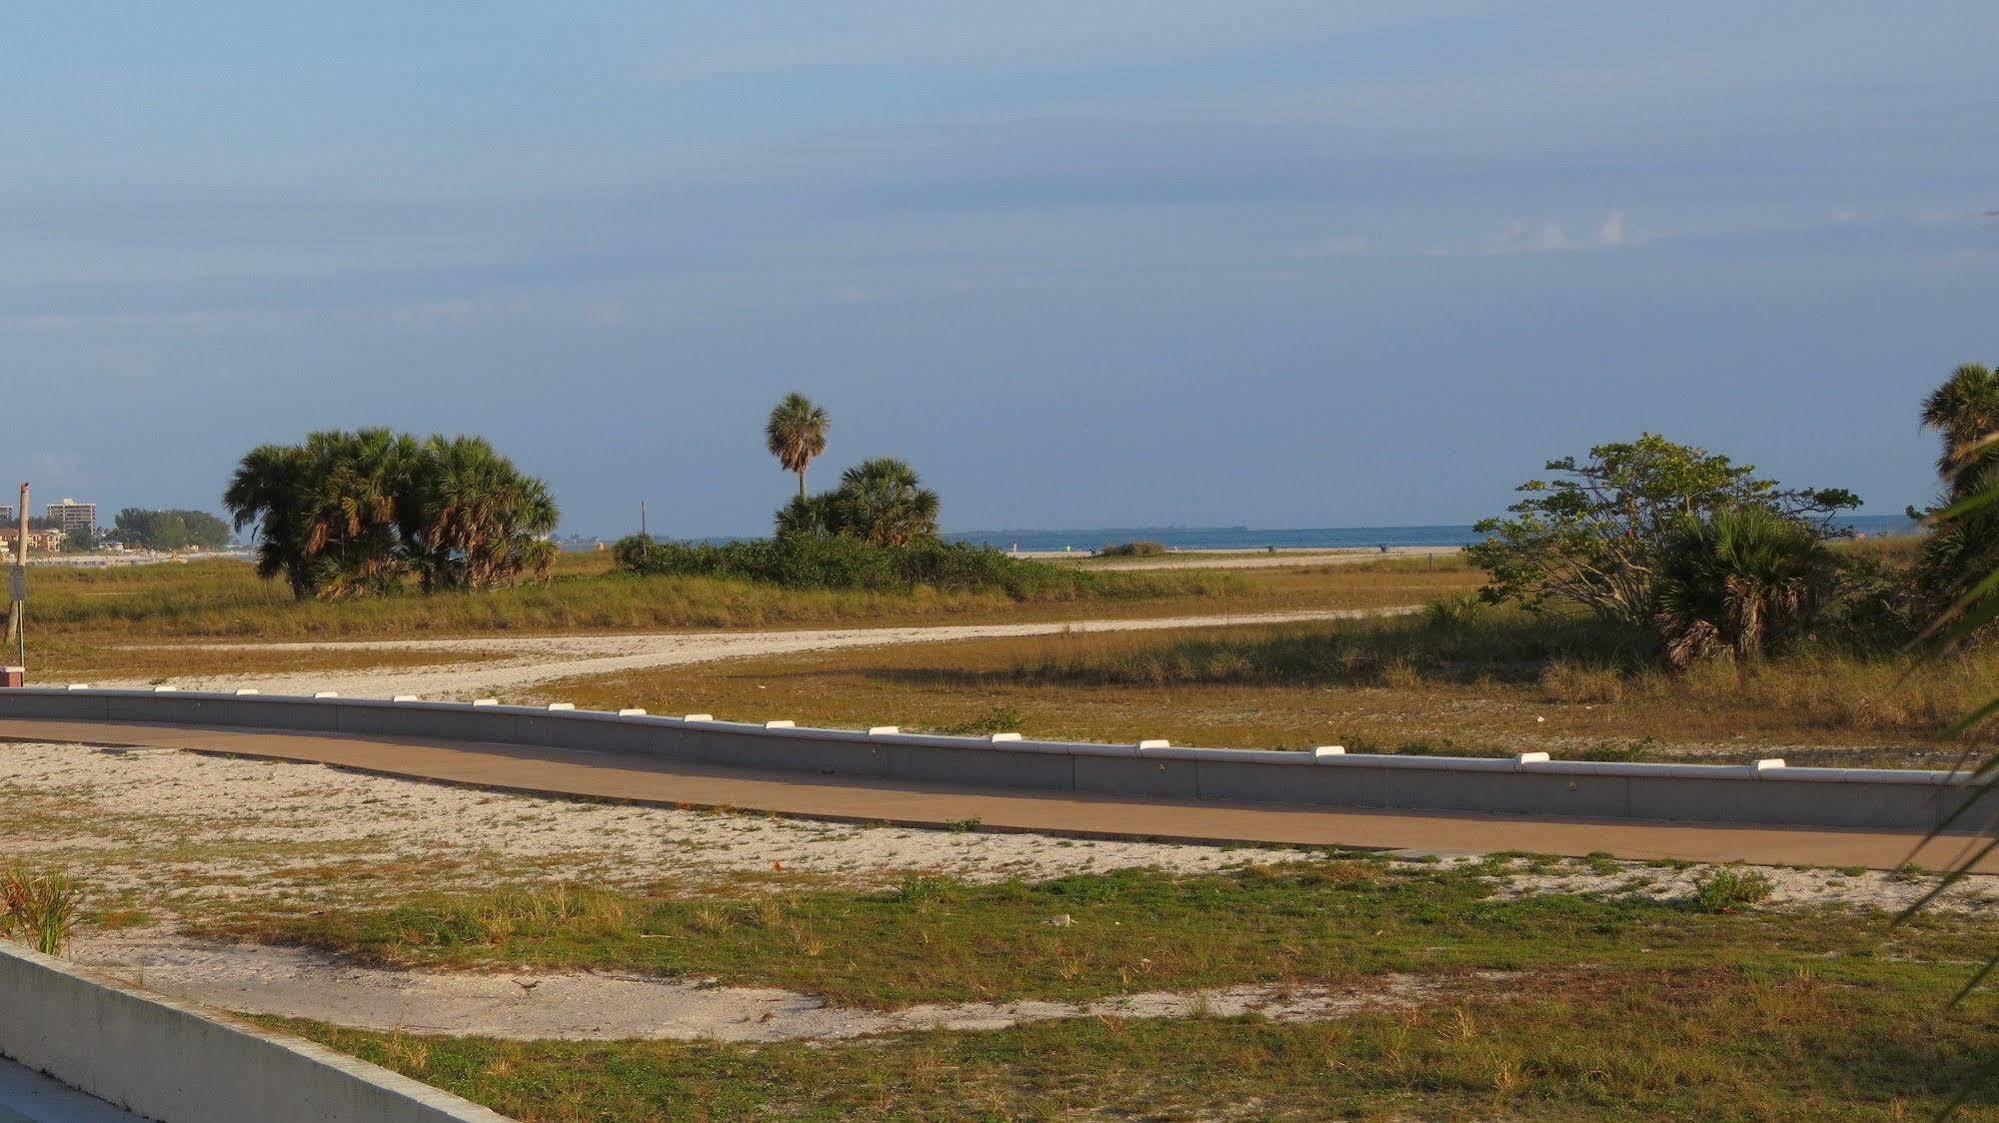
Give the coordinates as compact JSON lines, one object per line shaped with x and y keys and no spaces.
{"x":1133,"y":550}
{"x":39,"y":908}
{"x":1726,"y":890}
{"x":839,"y":562}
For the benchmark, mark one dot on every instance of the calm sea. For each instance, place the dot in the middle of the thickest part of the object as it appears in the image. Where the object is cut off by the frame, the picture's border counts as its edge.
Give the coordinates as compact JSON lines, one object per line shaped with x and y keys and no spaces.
{"x":1244,"y":538}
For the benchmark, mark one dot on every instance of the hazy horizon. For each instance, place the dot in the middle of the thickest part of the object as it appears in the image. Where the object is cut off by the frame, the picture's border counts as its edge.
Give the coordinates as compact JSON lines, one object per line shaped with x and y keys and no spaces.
{"x":1117,"y":265}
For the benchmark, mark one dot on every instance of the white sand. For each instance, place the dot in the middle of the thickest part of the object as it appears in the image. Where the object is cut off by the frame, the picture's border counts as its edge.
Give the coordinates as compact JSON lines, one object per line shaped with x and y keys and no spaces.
{"x":604,"y":1006}
{"x":532,"y":660}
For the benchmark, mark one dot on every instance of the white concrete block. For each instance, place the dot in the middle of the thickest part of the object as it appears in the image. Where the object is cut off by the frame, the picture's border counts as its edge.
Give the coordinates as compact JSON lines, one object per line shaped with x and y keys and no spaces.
{"x":883,"y":730}
{"x":77,"y":686}
{"x":326,"y":694}
{"x":780,"y":724}
{"x":1768,"y":762}
{"x":562,"y":705}
{"x":631,"y":713}
{"x":699,"y":717}
{"x":1004,"y":737}
{"x":1328,"y":750}
{"x":406,"y":698}
{"x":1144,"y":745}
{"x":165,"y":689}
{"x":247,"y":690}
{"x":485,"y":701}
{"x":1530,"y":758}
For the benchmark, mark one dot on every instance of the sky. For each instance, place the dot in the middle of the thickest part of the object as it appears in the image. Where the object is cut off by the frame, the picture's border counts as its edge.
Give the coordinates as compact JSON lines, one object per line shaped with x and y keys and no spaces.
{"x":1100,"y":264}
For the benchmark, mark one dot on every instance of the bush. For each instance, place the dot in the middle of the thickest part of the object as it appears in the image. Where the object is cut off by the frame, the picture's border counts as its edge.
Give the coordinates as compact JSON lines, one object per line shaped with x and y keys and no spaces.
{"x":839,"y":562}
{"x":1133,"y":550}
{"x":1726,"y":890}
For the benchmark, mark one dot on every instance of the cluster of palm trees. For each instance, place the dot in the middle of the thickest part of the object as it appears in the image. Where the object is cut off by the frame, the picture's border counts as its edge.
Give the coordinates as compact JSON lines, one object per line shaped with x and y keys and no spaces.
{"x":353,"y":513}
{"x":879,"y":501}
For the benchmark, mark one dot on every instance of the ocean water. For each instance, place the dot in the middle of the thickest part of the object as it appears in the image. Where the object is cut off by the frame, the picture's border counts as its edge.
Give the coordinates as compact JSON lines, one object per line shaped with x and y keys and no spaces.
{"x":1245,"y":538}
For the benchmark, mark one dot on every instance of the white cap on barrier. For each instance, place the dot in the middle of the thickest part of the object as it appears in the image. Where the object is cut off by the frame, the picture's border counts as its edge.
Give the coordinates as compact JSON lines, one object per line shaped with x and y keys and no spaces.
{"x":699,"y":717}
{"x":881,"y":730}
{"x":1004,"y":737}
{"x":247,"y":690}
{"x":485,"y":701}
{"x":165,"y":689}
{"x":634,"y":712}
{"x":1155,"y":744}
{"x":1768,"y":762}
{"x":1530,"y":758}
{"x":326,"y":694}
{"x":780,"y":724}
{"x":562,"y":705}
{"x":1324,"y":751}
{"x":406,"y":698}
{"x":77,"y":686}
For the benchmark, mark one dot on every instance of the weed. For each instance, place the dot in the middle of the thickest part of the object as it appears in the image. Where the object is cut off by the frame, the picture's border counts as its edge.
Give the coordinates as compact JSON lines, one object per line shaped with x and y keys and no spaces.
{"x":1728,"y":889}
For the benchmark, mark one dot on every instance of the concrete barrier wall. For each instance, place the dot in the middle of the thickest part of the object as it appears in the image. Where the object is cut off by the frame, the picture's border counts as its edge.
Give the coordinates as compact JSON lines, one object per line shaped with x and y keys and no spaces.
{"x":1530,"y":784}
{"x":169,"y":1061}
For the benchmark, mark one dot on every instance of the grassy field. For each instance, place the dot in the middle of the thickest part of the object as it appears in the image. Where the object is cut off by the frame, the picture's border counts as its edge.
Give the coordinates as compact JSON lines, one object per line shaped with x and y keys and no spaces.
{"x":1496,"y":682}
{"x":1606,"y":1008}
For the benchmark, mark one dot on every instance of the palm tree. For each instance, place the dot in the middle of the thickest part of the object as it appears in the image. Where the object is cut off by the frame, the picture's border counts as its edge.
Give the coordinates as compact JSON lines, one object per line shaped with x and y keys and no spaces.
{"x":881,"y":501}
{"x":1964,"y":410}
{"x":795,"y":434}
{"x":1738,"y":582}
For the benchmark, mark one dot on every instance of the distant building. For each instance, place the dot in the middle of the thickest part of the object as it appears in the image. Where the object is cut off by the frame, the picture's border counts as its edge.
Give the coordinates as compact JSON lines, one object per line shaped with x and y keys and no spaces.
{"x":43,"y":541}
{"x":73,"y":517}
{"x":6,"y":514}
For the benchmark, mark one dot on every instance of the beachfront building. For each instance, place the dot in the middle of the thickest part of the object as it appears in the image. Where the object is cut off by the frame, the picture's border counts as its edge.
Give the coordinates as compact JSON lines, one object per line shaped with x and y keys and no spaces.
{"x":39,"y":541}
{"x":73,"y":517}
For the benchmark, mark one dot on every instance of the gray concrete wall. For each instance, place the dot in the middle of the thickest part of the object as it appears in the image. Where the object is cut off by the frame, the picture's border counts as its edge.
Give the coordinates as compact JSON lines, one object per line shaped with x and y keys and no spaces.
{"x":169,"y":1061}
{"x":1770,"y":794}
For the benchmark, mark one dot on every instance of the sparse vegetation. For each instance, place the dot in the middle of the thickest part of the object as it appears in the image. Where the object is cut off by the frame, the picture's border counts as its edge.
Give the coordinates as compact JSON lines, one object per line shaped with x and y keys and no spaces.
{"x":1729,"y":889}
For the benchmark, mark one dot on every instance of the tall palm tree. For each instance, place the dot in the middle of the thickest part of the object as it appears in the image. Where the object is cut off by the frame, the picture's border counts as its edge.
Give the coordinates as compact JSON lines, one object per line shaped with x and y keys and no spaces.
{"x":795,"y":434}
{"x":1963,"y":410}
{"x":881,"y":501}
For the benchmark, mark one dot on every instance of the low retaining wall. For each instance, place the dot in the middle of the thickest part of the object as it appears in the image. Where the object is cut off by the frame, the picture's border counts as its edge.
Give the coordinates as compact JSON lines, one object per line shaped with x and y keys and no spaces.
{"x":1766,"y":792}
{"x":168,"y":1061}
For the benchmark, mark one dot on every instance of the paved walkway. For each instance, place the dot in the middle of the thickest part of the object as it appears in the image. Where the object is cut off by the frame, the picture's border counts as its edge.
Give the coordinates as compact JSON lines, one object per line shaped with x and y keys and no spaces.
{"x":26,"y":1096}
{"x":570,"y":772}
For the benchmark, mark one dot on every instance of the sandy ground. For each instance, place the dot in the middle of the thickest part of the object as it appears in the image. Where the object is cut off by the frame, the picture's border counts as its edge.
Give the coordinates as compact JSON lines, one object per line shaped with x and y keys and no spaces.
{"x":531,"y":660}
{"x":606,"y":1006}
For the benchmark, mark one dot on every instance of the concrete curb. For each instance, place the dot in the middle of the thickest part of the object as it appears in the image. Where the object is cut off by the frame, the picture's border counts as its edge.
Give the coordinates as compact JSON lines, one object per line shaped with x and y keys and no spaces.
{"x":174,"y":1062}
{"x":1762,"y":793}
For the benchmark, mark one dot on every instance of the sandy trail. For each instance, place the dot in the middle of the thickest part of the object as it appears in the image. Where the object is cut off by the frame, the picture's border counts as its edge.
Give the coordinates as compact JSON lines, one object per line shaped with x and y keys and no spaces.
{"x":532,"y":660}
{"x":292,"y":982}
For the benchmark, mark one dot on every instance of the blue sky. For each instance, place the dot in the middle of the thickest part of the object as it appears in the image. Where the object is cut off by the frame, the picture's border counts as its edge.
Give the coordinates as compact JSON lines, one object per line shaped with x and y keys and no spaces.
{"x":1103,"y":264}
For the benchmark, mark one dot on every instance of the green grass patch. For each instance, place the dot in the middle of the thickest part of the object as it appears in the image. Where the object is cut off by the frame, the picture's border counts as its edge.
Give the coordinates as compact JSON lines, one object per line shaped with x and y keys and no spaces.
{"x":1720,"y":1043}
{"x":933,"y":939}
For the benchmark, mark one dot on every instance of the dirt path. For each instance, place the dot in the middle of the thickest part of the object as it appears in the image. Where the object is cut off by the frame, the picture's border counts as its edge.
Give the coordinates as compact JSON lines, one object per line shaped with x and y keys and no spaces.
{"x":531,"y":660}
{"x":587,"y":1006}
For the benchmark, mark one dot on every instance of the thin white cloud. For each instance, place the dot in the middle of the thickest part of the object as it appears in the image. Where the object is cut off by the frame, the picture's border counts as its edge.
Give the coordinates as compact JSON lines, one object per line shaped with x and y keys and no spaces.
{"x":1611,"y":233}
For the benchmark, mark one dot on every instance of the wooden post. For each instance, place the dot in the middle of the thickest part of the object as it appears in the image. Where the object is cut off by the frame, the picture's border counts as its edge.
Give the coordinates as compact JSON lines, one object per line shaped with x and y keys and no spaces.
{"x":17,"y":607}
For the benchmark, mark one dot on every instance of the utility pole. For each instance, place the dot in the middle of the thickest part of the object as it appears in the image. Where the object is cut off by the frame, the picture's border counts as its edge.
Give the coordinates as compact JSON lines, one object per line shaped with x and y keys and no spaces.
{"x":642,"y":518}
{"x":17,"y":605}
